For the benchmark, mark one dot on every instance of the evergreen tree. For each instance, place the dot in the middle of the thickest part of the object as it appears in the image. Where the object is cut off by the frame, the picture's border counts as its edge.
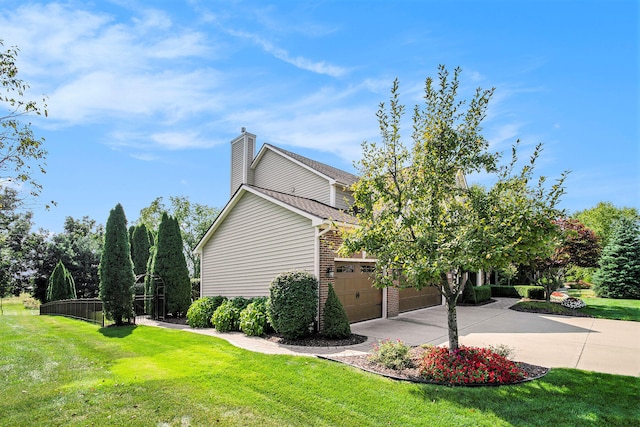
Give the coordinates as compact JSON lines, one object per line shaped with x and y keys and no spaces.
{"x":336,"y":322}
{"x":61,"y":284}
{"x":116,"y":268}
{"x":619,"y":273}
{"x":169,"y":263}
{"x":140,"y":245}
{"x":131,"y":230}
{"x":150,"y":283}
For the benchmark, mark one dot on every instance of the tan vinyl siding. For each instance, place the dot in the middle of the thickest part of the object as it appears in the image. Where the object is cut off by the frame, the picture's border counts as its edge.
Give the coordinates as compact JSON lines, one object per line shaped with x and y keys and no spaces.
{"x":344,"y":199}
{"x":278,"y":173}
{"x":236,"y":165}
{"x":257,"y":241}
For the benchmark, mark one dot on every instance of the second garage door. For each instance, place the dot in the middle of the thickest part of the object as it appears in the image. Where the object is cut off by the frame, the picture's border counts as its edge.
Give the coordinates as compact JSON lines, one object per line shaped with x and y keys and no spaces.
{"x":353,"y":285}
{"x":411,"y":299}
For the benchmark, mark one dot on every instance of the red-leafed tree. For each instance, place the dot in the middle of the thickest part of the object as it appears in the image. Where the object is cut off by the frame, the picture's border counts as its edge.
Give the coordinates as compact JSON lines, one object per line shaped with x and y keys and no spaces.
{"x":576,"y":245}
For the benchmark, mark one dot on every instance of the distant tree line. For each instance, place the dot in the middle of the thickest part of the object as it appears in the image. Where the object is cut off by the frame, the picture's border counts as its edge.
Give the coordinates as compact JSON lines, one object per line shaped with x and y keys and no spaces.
{"x":28,"y":258}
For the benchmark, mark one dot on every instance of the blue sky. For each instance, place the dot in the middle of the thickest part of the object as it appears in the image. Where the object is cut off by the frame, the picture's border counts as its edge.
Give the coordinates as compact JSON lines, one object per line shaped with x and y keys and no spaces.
{"x":144,"y":97}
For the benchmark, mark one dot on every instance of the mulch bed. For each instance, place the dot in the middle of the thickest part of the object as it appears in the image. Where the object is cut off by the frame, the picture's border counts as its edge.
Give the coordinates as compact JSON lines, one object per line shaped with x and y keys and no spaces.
{"x":317,"y":340}
{"x":542,"y":310}
{"x":412,"y":373}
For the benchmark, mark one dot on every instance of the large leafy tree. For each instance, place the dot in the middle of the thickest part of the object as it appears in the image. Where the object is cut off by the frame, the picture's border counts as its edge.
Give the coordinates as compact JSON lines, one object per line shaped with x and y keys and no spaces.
{"x":61,"y":284}
{"x":20,"y":248}
{"x":116,"y":268}
{"x":194,"y":220}
{"x":602,"y":218}
{"x":170,"y":265}
{"x":619,"y":273}
{"x":79,"y":247}
{"x":418,"y":217}
{"x":22,"y":154}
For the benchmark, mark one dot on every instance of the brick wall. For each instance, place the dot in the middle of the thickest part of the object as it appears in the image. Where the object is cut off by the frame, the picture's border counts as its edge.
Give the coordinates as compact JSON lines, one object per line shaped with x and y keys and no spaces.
{"x":329,"y":244}
{"x":393,"y":301}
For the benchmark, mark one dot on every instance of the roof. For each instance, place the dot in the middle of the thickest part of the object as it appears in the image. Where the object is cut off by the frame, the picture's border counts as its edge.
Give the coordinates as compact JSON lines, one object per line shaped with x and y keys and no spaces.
{"x":310,"y":206}
{"x":317,"y":212}
{"x":343,"y":177}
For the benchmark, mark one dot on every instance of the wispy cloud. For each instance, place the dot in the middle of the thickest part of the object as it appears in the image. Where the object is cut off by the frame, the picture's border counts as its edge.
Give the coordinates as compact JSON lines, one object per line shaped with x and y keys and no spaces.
{"x":319,"y":67}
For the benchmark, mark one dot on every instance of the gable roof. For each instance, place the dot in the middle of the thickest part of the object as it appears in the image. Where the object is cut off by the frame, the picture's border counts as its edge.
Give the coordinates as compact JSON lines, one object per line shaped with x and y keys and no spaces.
{"x":317,"y":212}
{"x":310,"y":206}
{"x":329,"y":172}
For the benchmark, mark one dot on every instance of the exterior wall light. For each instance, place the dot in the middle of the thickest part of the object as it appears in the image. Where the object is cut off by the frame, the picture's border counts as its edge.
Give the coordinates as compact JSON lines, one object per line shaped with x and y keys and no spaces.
{"x":330,"y":272}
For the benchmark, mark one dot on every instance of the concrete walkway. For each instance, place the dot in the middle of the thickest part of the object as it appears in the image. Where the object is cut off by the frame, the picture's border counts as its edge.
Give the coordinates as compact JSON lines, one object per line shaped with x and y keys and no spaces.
{"x":609,"y":346}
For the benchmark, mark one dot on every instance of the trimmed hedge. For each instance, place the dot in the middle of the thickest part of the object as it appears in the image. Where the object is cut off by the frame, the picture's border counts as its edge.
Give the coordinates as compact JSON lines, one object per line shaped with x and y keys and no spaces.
{"x":518,"y":291}
{"x":293,"y":303}
{"x":483,"y":293}
{"x":475,"y":294}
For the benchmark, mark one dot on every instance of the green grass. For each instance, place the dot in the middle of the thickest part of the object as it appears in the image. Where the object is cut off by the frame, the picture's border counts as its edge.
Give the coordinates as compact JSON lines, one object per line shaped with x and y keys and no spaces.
{"x":58,"y":371}
{"x":603,"y":308}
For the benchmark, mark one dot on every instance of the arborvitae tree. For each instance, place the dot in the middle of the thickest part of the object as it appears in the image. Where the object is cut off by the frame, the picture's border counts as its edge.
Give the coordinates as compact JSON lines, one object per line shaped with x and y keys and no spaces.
{"x":116,"y":269}
{"x":150,"y":283}
{"x":131,"y":230}
{"x":336,"y":322}
{"x":61,"y":284}
{"x":170,"y":265}
{"x":140,"y":245}
{"x":619,"y":273}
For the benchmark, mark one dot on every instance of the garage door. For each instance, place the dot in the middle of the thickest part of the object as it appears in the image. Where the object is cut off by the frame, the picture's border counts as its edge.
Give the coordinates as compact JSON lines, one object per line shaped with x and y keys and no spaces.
{"x":411,"y":299}
{"x":353,"y":285}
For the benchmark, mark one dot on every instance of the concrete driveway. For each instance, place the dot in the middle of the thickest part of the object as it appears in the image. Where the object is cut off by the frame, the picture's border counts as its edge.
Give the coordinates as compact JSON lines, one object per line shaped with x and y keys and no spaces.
{"x":609,"y":346}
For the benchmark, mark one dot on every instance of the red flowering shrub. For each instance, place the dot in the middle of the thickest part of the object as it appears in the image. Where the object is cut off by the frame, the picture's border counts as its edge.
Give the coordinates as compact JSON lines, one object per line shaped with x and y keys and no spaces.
{"x":468,"y":365}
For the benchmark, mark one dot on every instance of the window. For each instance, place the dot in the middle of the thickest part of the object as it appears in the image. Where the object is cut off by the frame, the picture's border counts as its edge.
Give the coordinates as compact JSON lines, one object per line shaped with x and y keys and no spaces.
{"x":347,"y":268}
{"x":367,"y":268}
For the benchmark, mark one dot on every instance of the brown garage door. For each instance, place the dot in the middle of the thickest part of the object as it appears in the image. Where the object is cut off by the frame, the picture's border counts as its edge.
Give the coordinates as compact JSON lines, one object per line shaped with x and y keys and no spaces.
{"x":354,"y":288}
{"x":411,"y":299}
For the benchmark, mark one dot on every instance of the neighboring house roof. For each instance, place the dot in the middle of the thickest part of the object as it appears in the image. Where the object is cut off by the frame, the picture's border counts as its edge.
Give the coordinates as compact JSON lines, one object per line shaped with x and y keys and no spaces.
{"x":323,"y":169}
{"x":317,"y":212}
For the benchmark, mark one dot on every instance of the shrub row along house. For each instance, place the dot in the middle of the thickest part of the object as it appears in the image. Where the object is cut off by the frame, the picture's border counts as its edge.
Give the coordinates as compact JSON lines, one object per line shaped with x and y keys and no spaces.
{"x":285,"y":213}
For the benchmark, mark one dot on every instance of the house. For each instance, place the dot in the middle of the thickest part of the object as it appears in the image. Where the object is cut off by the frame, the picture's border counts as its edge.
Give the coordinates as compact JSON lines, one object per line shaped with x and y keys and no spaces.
{"x":285,"y":213}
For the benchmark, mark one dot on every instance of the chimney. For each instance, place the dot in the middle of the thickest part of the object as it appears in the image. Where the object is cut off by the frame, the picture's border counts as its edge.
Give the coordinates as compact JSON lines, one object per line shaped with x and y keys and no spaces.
{"x":242,"y":152}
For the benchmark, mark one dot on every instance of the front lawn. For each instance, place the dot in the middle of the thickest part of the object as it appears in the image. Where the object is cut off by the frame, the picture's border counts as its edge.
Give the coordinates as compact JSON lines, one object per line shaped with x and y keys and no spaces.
{"x":58,"y":371}
{"x":603,"y":308}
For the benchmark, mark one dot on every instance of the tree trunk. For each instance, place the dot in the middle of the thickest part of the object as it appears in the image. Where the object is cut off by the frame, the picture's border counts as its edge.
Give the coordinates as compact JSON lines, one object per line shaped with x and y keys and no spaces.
{"x":451,"y":291}
{"x":452,"y":323}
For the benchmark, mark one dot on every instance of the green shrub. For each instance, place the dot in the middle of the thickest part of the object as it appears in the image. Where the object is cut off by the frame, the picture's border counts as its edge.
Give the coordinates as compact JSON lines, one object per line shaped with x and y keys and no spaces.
{"x":293,"y":303}
{"x":253,"y":319}
{"x":240,"y":302}
{"x":504,"y":291}
{"x":482,"y":293}
{"x":475,"y":294}
{"x":391,"y":354}
{"x":226,"y":317}
{"x":534,"y":292}
{"x":201,"y":310}
{"x":468,"y":294}
{"x":518,"y":291}
{"x":336,"y":322}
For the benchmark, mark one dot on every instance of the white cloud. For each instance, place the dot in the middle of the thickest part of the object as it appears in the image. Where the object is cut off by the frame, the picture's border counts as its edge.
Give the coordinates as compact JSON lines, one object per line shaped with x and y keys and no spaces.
{"x":301,"y":62}
{"x":93,"y":68}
